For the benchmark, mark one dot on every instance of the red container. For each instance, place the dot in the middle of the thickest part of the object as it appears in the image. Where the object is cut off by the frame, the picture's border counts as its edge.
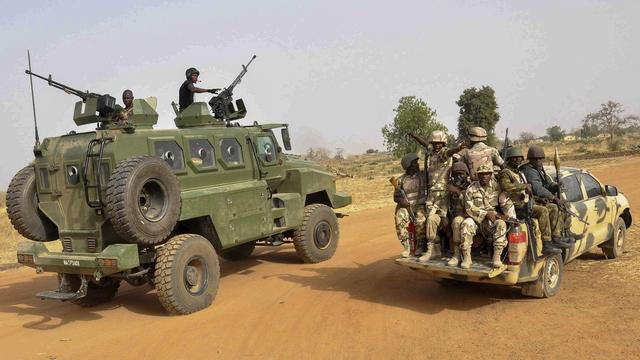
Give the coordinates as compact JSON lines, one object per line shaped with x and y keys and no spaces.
{"x":517,"y":245}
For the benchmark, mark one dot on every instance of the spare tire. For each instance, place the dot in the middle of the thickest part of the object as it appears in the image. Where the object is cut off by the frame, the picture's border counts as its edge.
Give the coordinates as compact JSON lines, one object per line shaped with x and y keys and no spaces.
{"x":23,"y":211}
{"x":143,"y":200}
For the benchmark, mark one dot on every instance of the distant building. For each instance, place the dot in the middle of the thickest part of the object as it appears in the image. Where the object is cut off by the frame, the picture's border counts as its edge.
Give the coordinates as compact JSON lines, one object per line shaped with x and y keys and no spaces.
{"x":569,"y":138}
{"x":602,"y":136}
{"x":537,"y":141}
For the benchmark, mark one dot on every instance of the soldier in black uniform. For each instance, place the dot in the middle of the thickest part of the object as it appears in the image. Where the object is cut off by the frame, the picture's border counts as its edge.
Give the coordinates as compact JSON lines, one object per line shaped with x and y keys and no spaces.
{"x":188,"y":88}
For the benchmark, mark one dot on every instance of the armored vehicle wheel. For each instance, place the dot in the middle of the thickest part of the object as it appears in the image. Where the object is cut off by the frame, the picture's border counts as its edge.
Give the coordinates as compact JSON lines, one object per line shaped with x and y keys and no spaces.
{"x":549,"y":280}
{"x":316,"y":239}
{"x":22,"y":208}
{"x":187,"y":274}
{"x":143,"y":200}
{"x":615,"y":246}
{"x":239,"y":252}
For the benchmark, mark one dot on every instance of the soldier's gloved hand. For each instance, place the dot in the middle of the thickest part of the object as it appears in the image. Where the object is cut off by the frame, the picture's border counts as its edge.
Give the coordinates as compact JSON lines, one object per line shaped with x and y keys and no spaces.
{"x":492,"y":215}
{"x":214,"y":91}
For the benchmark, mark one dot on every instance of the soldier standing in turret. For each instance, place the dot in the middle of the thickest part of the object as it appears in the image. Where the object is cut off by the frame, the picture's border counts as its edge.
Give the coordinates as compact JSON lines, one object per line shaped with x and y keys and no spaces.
{"x":458,"y":183}
{"x":543,"y":189}
{"x":187,"y":89}
{"x":413,"y":182}
{"x":124,"y":114}
{"x":519,"y":191}
{"x":479,"y":152}
{"x":481,"y":204}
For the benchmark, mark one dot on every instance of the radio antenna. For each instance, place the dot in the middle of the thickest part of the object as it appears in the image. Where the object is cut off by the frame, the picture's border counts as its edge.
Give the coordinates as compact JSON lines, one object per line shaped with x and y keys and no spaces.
{"x":33,"y":101}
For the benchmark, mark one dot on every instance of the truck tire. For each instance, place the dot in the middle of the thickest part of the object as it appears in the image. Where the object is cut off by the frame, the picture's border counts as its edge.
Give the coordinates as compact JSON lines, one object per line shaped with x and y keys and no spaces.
{"x":239,"y":252}
{"x":187,"y":274}
{"x":317,"y":238}
{"x":143,"y":200}
{"x":23,"y":211}
{"x":615,"y":247}
{"x":549,"y":279}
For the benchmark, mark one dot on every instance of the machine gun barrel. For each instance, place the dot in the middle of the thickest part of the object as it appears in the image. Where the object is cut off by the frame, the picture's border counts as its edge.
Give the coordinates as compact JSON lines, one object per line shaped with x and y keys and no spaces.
{"x":238,"y":78}
{"x":69,"y":90}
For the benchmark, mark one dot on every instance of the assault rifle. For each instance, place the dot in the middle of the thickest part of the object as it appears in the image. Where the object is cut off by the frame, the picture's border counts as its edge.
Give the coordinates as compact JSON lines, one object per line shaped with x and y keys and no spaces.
{"x":412,"y":217}
{"x":105,"y":105}
{"x":222,"y":104}
{"x":506,"y":145}
{"x":562,"y":206}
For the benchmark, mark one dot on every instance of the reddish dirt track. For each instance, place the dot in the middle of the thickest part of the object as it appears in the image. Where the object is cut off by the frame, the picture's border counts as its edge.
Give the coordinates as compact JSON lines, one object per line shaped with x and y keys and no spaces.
{"x":357,"y":305}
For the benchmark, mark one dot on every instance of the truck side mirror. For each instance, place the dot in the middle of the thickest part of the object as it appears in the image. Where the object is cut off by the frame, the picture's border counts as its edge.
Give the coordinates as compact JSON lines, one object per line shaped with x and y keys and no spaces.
{"x":611,"y":190}
{"x":286,"y":139}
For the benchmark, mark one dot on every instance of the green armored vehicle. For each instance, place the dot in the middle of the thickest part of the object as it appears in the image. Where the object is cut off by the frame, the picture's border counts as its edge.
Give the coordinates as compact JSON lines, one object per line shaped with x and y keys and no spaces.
{"x":133,"y":203}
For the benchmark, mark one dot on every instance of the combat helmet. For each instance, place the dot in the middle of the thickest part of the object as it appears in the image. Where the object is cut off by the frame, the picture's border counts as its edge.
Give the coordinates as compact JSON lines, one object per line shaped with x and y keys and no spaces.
{"x":513,"y":151}
{"x":535,"y":152}
{"x":485,"y":168}
{"x":437,"y":136}
{"x":190,"y":71}
{"x":460,"y":166}
{"x":477,"y":133}
{"x":408,"y":159}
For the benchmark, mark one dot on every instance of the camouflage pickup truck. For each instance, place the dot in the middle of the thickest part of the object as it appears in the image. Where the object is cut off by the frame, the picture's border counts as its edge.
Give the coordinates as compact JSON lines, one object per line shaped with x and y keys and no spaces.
{"x":134,"y":203}
{"x":603,"y":216}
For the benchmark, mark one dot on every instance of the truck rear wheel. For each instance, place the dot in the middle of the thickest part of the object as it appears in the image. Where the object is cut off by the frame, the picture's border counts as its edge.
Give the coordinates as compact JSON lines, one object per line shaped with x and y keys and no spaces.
{"x":239,"y":252}
{"x":549,"y":280}
{"x":23,"y":211}
{"x":187,"y":274}
{"x":143,"y":200}
{"x":316,"y":239}
{"x":615,"y":247}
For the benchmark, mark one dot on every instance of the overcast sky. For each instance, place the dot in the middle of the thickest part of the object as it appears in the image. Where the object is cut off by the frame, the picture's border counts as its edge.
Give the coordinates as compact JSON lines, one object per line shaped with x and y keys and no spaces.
{"x":334,"y":70}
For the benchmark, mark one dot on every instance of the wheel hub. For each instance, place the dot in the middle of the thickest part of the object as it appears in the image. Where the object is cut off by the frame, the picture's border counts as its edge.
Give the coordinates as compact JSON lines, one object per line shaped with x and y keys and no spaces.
{"x":153,"y":200}
{"x":322,"y":235}
{"x":196,"y":276}
{"x":553,"y":274}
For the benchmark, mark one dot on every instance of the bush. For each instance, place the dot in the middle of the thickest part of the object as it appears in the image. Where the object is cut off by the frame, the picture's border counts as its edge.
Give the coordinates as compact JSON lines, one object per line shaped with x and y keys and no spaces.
{"x":582,"y":148}
{"x":615,"y":145}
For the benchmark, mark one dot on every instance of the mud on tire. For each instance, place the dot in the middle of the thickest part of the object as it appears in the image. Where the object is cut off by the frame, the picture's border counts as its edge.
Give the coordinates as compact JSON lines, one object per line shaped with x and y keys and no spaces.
{"x":316,"y":239}
{"x":143,"y":200}
{"x":187,"y":274}
{"x":22,"y":208}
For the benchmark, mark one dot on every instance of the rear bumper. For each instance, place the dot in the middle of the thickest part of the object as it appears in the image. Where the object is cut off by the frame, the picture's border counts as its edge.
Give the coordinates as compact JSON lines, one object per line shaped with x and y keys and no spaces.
{"x":507,"y":275}
{"x":341,"y":199}
{"x":113,"y":259}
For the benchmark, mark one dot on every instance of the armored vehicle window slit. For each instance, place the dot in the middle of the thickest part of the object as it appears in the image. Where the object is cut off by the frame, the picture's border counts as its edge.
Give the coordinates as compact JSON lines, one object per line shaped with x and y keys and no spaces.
{"x":202,"y":153}
{"x":572,"y":190}
{"x":231,"y":151}
{"x":266,"y":149}
{"x":591,"y":185}
{"x":171,"y":153}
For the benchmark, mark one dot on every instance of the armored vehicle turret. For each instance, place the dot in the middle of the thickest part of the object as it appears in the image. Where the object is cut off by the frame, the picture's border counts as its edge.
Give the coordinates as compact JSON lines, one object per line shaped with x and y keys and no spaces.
{"x":144,"y":205}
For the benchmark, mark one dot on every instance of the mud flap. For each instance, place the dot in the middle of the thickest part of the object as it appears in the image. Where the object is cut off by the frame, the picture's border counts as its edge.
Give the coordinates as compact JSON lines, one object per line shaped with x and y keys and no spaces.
{"x":63,"y":292}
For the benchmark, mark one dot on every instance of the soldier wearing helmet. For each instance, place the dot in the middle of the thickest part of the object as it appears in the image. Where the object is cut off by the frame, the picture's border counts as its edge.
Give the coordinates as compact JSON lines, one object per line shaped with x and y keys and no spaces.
{"x":458,"y":183}
{"x":482,"y":200}
{"x":479,"y":152}
{"x":188,"y":88}
{"x":516,"y":188}
{"x":438,"y":165}
{"x":543,"y":189}
{"x":413,"y":182}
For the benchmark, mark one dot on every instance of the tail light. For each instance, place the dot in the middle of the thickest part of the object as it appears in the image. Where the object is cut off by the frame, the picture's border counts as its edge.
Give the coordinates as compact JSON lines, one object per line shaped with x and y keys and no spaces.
{"x":517,"y":245}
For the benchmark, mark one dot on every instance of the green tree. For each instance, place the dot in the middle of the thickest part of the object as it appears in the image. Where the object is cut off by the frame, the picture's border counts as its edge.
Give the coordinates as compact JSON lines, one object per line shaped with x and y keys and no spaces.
{"x":555,"y":133}
{"x":412,"y":115}
{"x":478,"y":107}
{"x":527,"y":137}
{"x":610,"y":119}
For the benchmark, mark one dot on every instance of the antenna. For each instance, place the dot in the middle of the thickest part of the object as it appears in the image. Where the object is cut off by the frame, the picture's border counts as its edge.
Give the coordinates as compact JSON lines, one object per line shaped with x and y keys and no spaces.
{"x":33,"y":101}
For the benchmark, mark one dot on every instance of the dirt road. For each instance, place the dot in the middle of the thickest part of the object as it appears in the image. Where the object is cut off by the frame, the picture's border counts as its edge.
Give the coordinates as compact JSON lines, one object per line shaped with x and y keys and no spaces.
{"x":357,"y":305}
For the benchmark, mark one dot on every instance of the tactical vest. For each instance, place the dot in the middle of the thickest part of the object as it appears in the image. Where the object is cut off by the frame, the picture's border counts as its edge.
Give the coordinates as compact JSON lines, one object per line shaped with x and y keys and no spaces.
{"x":478,"y":154}
{"x":414,"y":188}
{"x":439,"y":166}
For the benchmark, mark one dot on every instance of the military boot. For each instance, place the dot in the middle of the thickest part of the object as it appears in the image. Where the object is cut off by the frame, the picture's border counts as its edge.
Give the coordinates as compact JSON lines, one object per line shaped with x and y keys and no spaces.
{"x":559,"y":242}
{"x":428,"y":255}
{"x":437,"y":252}
{"x":420,"y":248}
{"x":466,"y":258}
{"x":497,"y":254}
{"x":407,"y":249}
{"x":549,"y":249}
{"x":455,"y":259}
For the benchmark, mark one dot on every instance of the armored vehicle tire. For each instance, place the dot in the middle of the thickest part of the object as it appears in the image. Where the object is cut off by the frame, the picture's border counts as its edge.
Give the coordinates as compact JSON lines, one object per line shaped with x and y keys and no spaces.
{"x":615,"y":246}
{"x":239,"y":252}
{"x":143,"y":200}
{"x":97,"y":293}
{"x":316,"y":239}
{"x":549,"y":280}
{"x":22,"y":208}
{"x":187,"y":274}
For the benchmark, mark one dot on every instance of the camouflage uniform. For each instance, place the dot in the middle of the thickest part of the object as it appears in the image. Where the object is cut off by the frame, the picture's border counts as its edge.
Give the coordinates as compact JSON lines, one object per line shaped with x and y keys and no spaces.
{"x":438,"y":165}
{"x":413,"y":186}
{"x":457,"y":211}
{"x":478,"y":154}
{"x":542,"y":187}
{"x":478,"y":201}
